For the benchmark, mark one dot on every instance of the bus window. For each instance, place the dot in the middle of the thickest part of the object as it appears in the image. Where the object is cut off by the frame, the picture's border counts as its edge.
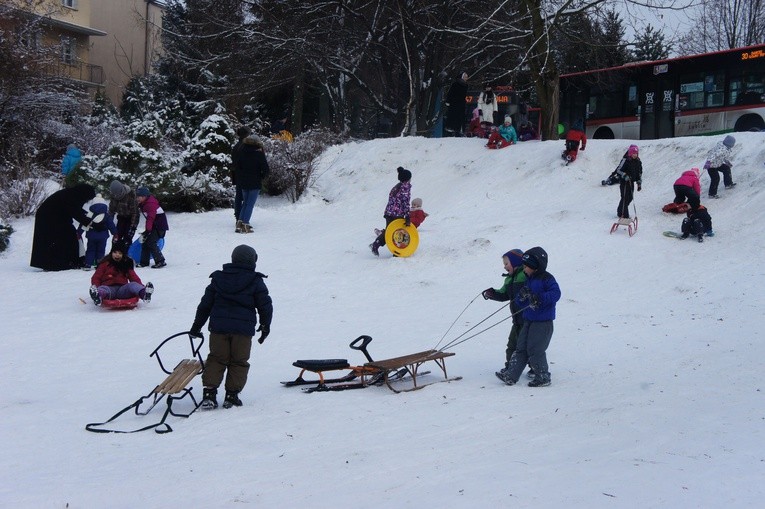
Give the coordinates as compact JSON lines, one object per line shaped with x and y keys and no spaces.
{"x":632,"y":100}
{"x":606,"y":104}
{"x":700,"y":90}
{"x":747,"y":88}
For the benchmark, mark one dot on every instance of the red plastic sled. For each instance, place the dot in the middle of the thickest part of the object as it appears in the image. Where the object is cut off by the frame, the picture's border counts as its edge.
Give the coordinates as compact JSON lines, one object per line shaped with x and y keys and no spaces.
{"x":120,"y":303}
{"x":676,"y":208}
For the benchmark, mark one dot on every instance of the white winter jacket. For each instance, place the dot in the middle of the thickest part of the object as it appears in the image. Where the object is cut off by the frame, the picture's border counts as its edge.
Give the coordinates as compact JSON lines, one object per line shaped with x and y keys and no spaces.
{"x":488,"y":108}
{"x":718,"y":156}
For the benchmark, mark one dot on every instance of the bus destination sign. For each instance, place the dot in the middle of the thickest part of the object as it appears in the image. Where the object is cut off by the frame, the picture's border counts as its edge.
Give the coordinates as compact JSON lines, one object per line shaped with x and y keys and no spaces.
{"x":756,"y":53}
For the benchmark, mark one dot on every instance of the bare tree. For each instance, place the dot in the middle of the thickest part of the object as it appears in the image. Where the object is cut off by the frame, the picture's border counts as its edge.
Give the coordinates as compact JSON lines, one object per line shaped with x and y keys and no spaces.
{"x":724,"y":24}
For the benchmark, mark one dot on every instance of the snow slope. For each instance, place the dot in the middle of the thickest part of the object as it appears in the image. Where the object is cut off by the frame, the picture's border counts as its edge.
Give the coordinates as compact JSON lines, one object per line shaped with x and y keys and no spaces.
{"x":657,"y":394}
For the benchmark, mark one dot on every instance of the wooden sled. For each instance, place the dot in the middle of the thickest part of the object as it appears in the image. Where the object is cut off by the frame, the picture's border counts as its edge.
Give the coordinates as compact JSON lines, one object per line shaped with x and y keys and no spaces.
{"x":630,"y":223}
{"x":175,"y":383}
{"x":411,"y":363}
{"x":371,"y":373}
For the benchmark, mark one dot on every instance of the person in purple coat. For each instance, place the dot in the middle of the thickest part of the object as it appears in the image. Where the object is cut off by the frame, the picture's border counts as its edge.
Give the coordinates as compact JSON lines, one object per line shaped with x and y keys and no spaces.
{"x":537,"y":299}
{"x":398,"y":206}
{"x":156,"y":227}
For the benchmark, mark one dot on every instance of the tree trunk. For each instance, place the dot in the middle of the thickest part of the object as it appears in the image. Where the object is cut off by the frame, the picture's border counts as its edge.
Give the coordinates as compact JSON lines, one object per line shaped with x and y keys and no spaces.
{"x":298,"y":95}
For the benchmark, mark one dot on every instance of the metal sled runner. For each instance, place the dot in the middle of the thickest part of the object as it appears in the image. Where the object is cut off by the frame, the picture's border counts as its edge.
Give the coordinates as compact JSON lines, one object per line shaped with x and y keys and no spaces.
{"x":173,"y":388}
{"x":386,"y":371}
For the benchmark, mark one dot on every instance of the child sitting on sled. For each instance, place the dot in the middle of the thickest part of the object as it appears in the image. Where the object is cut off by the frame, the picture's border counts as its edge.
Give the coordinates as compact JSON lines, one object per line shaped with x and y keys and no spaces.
{"x":416,"y":214}
{"x":115,"y":278}
{"x":698,"y":223}
{"x":504,"y":136}
{"x":574,"y":138}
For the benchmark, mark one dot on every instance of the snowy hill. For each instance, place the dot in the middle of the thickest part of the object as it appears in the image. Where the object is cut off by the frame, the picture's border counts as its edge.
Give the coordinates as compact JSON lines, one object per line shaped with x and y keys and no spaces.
{"x":657,"y":394}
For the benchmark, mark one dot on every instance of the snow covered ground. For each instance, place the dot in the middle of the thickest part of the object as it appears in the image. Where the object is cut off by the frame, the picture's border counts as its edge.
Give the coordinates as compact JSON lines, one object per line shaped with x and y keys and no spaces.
{"x":657,"y":394}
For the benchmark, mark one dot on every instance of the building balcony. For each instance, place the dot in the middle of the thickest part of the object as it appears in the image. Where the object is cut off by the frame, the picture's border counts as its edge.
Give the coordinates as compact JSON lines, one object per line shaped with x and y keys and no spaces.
{"x":80,"y":71}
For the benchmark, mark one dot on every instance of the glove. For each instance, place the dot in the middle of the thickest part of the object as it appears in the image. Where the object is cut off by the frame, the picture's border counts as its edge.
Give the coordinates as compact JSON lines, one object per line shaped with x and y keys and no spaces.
{"x":640,"y":186}
{"x":130,"y":235}
{"x":707,"y":165}
{"x":533,"y":301}
{"x":524,"y":293}
{"x":264,"y":332}
{"x":407,"y":222}
{"x":582,"y":149}
{"x":488,"y":294}
{"x":144,"y":236}
{"x":195,"y":333}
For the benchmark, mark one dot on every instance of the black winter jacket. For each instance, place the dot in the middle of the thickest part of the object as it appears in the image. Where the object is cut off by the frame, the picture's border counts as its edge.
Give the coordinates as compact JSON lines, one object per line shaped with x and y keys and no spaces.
{"x":230,"y":301}
{"x":252,"y":166}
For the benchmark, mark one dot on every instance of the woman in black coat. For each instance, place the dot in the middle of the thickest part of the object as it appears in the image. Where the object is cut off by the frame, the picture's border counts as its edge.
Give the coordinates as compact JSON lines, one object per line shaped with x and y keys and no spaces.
{"x":455,"y":102}
{"x":55,"y":245}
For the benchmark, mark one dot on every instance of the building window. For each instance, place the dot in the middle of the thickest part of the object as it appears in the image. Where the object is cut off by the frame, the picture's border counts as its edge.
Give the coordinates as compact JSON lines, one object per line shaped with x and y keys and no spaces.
{"x":72,"y":4}
{"x":68,"y":53}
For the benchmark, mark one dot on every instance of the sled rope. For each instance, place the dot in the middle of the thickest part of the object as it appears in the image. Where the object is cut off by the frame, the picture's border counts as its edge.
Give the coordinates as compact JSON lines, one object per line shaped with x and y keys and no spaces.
{"x":455,"y":321}
{"x":457,"y":341}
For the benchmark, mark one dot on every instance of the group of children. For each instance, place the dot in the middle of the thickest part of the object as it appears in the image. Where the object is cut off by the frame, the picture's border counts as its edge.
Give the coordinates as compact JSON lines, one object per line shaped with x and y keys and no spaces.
{"x":115,"y":277}
{"x":687,"y":187}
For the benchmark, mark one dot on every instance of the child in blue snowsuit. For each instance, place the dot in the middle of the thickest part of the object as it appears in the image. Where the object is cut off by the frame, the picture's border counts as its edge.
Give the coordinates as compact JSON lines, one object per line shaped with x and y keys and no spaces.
{"x":538,"y":300}
{"x":97,"y":234}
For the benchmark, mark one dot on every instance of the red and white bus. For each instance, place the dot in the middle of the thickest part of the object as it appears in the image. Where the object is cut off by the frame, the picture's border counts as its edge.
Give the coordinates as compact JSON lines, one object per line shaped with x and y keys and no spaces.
{"x":705,"y":94}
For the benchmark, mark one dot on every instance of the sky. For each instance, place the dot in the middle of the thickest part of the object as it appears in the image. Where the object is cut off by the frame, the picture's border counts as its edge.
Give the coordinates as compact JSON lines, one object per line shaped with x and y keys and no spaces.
{"x":656,"y":357}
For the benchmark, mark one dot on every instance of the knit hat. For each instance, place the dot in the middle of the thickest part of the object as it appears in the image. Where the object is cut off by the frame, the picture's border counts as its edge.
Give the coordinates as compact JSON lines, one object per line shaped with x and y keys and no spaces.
{"x":535,"y":258}
{"x":120,"y":246}
{"x":142,"y":191}
{"x":729,"y":141}
{"x":416,"y":204}
{"x":244,"y":255}
{"x":515,"y":256}
{"x":404,"y":175}
{"x":508,"y":119}
{"x":118,"y":190}
{"x":99,"y":199}
{"x":632,"y":151}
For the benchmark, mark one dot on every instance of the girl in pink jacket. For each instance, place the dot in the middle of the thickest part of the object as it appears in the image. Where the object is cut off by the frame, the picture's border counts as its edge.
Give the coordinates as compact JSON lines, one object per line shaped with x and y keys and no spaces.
{"x":688,"y":187}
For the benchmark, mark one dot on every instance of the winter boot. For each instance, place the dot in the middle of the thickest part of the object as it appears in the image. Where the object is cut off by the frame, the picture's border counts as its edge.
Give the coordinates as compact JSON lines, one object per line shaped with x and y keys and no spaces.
{"x":531,"y":373}
{"x":539,"y":382}
{"x":159,"y":265}
{"x":95,"y":296}
{"x":730,"y":186}
{"x":375,"y":247}
{"x":238,"y":227}
{"x":246,"y":228}
{"x":232,"y":399}
{"x":701,"y":237}
{"x":209,"y":398}
{"x":147,"y":292}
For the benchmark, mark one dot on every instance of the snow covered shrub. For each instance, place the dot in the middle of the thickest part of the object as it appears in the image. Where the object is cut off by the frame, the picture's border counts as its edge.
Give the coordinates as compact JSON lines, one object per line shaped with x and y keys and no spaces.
{"x":145,"y":132}
{"x":206,"y":165}
{"x":293,"y":165}
{"x":24,"y":186}
{"x":5,"y":235}
{"x":131,"y":163}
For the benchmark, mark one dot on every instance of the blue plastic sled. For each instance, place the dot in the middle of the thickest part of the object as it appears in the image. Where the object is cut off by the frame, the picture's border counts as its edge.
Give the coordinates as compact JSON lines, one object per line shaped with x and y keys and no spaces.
{"x":134,"y":251}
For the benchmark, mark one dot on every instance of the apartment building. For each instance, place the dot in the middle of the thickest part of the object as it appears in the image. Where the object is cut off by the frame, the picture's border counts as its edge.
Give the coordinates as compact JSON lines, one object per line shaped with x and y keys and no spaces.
{"x":101,"y":44}
{"x":131,"y":44}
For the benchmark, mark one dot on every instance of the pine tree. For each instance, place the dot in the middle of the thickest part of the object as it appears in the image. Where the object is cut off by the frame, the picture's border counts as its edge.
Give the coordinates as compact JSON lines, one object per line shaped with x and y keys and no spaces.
{"x":651,"y":46}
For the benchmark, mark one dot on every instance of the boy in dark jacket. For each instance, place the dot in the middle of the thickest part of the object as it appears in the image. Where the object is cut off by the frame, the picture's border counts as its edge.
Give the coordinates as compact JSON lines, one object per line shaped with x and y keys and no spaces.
{"x":537,"y":299}
{"x":515,"y":279}
{"x":698,"y":223}
{"x":230,"y":302}
{"x":123,"y":206}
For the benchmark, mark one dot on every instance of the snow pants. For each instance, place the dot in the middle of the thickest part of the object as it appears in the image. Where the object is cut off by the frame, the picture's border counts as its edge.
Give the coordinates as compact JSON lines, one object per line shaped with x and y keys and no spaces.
{"x":95,"y":251}
{"x":683,"y":193}
{"x":126,"y":291}
{"x":228,"y":352}
{"x":714,"y":175}
{"x":627,"y":191}
{"x":533,"y":341}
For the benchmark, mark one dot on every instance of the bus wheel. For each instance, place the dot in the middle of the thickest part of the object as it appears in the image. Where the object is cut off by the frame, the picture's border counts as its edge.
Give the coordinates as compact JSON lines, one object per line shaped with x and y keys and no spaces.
{"x":750,"y":122}
{"x":603,"y":133}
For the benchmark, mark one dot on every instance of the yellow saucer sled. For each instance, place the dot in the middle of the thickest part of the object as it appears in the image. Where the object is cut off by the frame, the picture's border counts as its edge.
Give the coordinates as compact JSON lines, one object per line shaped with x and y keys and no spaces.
{"x":401,"y":240}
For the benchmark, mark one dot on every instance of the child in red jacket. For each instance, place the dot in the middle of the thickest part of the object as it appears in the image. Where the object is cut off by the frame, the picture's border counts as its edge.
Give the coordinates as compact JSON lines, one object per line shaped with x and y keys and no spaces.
{"x":416,"y":214}
{"x":574,"y":137}
{"x":115,"y":278}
